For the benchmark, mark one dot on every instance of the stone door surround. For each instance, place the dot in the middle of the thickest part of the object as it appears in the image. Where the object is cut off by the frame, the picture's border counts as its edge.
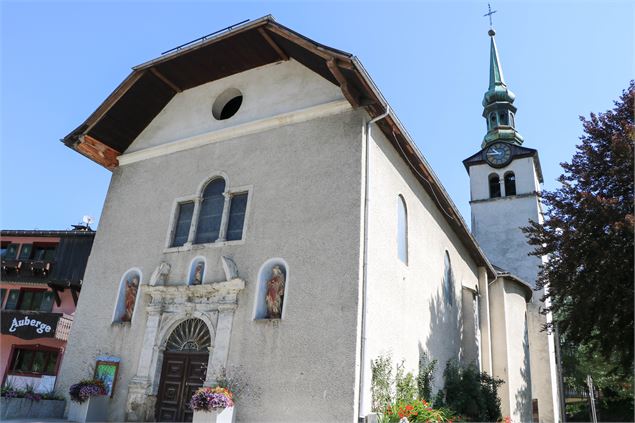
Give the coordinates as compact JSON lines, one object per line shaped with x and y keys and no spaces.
{"x":213,"y":303}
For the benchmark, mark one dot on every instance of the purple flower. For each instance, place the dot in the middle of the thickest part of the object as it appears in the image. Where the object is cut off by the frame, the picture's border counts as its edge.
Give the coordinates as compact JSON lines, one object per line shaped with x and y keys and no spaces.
{"x":85,"y":389}
{"x":10,"y":393}
{"x":209,"y":399}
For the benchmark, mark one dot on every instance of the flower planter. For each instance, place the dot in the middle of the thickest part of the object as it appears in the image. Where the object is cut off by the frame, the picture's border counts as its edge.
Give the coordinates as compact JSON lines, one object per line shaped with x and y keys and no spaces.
{"x":15,"y":408}
{"x":94,"y":409}
{"x":225,"y":415}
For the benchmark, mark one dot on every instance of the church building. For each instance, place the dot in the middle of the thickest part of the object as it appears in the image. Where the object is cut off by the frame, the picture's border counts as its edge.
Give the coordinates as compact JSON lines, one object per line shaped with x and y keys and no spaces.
{"x":269,"y":215}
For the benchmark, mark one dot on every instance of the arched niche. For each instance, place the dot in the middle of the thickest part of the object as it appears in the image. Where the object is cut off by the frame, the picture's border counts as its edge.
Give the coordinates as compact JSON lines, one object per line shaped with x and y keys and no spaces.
{"x":198,"y":269}
{"x":271,"y":269}
{"x":127,"y":296}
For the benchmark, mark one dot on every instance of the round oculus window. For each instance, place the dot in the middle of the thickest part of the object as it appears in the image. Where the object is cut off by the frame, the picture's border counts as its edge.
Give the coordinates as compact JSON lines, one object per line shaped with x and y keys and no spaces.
{"x":227,"y":104}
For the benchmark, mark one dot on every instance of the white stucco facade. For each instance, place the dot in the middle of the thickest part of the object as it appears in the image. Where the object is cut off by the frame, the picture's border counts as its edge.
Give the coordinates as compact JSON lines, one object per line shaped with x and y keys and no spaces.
{"x":496,"y":224}
{"x":301,"y":158}
{"x":407,"y":312}
{"x":323,"y":188}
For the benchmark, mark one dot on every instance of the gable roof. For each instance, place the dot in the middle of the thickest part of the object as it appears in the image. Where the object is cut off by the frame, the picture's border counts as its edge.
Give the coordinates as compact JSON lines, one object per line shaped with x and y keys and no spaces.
{"x":117,"y":122}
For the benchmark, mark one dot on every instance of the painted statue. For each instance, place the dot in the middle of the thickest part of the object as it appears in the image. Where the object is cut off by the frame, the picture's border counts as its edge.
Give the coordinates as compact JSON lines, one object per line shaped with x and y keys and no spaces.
{"x":132,"y":286}
{"x":275,"y":292}
{"x":198,"y":273}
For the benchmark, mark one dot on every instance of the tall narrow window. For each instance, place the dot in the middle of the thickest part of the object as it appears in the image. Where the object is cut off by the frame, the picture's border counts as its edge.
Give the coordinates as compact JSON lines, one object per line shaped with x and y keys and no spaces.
{"x":236,"y":216}
{"x":211,"y":213}
{"x":402,"y":230}
{"x":494,"y":186}
{"x":448,"y":280}
{"x":510,"y":183}
{"x":183,"y":222}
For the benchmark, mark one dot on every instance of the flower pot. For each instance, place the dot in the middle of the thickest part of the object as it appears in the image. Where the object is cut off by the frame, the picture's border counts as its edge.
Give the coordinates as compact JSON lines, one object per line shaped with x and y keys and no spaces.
{"x":225,"y":415}
{"x":95,"y":409}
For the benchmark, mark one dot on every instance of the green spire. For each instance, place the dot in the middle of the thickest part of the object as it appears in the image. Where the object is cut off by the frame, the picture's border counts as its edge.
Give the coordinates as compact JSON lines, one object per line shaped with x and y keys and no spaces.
{"x":498,"y":103}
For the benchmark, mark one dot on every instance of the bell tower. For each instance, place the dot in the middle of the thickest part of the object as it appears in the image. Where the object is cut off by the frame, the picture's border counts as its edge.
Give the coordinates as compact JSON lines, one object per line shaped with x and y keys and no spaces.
{"x":505,"y":180}
{"x":505,"y":185}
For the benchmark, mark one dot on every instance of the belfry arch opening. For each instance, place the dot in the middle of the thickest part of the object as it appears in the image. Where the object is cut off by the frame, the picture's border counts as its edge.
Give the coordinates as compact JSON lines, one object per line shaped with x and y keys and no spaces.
{"x":510,"y":183}
{"x":494,"y":186}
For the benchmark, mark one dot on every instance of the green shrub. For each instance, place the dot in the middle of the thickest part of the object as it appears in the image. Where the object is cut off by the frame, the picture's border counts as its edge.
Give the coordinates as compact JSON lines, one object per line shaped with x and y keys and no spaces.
{"x":425,"y":377}
{"x":470,"y":393}
{"x":405,"y":385}
{"x":381,"y":382}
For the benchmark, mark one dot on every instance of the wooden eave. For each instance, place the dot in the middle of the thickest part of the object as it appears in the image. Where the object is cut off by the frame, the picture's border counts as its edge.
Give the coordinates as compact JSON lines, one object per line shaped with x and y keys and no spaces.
{"x":118,"y":121}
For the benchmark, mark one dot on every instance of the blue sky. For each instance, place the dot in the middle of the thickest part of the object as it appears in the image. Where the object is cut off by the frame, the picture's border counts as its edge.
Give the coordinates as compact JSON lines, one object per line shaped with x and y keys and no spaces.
{"x":59,"y":61}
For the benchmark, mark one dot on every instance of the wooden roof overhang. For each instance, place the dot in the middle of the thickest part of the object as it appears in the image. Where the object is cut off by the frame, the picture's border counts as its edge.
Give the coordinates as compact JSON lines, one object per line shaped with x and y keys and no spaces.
{"x":118,"y":121}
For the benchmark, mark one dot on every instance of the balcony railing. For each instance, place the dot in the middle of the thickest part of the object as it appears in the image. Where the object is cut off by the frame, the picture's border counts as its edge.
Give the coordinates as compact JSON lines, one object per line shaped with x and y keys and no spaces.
{"x":64,"y":327}
{"x":26,"y":269}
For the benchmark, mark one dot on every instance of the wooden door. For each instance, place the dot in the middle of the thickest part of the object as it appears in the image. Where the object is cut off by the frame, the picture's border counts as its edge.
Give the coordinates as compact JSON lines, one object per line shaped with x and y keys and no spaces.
{"x":182,"y":374}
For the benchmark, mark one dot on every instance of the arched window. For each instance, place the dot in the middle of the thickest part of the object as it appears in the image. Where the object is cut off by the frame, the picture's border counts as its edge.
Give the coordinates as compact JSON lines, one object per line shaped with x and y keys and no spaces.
{"x":448,"y":280}
{"x":127,"y":296}
{"x":402,"y":230}
{"x":510,"y":183}
{"x":502,"y":118}
{"x":494,"y":186}
{"x":211,"y":212}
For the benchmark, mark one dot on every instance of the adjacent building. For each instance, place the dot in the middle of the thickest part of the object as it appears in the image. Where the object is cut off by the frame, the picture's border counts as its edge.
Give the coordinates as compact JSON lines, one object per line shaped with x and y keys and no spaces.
{"x":269,"y":212}
{"x":42,"y":274}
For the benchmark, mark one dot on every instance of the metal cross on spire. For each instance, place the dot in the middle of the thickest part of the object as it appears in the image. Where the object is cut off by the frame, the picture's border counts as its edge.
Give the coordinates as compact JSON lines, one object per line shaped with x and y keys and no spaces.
{"x":489,"y":14}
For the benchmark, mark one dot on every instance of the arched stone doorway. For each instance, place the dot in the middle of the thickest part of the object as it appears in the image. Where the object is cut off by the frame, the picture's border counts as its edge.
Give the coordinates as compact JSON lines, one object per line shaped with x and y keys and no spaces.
{"x":213,"y":303}
{"x":184,"y":370}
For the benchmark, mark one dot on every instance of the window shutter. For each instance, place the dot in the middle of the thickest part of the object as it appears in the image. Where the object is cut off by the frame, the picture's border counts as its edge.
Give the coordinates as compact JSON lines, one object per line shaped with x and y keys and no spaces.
{"x":47,"y":301}
{"x":12,"y":299}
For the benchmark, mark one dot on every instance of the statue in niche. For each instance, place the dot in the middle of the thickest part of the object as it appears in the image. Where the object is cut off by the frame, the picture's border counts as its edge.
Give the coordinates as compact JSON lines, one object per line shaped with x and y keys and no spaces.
{"x":132,"y":286}
{"x":275,"y":292}
{"x":197,"y":277}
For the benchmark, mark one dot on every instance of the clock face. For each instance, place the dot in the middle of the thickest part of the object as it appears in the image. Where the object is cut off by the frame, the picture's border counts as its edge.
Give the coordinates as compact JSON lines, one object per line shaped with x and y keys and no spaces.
{"x":498,"y":154}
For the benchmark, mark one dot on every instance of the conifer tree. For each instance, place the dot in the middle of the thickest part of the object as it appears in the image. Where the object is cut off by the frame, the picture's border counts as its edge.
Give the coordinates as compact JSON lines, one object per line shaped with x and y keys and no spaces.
{"x":587,"y":239}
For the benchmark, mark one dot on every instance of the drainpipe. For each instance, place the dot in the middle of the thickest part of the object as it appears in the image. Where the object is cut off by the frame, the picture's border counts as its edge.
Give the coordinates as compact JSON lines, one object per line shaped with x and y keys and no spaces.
{"x":486,"y":329}
{"x":365,"y":262}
